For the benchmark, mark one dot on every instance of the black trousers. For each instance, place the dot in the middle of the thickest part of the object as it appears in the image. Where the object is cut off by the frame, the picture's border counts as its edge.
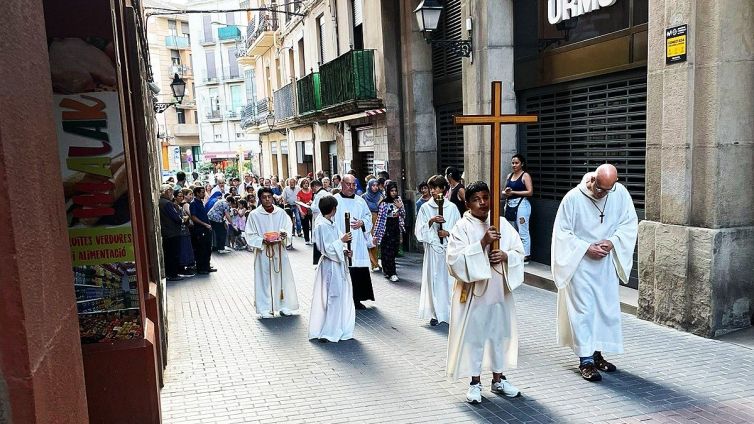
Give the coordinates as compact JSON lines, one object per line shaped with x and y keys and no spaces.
{"x":389,"y":246}
{"x":362,"y":284}
{"x":221,"y":235}
{"x":171,"y":250}
{"x":306,"y":223}
{"x":201,"y":240}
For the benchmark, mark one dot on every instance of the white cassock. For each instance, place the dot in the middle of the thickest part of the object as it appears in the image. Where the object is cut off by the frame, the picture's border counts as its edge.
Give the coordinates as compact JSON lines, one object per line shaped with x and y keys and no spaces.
{"x":483,"y":332}
{"x":274,"y":287}
{"x":589,"y":317}
{"x":315,"y":206}
{"x":437,"y":284}
{"x":359,"y":210}
{"x":333,"y":315}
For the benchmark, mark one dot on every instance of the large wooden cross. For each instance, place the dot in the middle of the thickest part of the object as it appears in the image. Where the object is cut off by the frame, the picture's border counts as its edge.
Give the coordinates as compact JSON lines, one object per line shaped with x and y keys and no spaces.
{"x":495,"y":120}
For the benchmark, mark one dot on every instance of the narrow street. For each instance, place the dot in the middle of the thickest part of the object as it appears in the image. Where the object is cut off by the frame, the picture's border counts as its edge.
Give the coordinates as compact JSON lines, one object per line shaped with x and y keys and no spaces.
{"x":227,"y":366}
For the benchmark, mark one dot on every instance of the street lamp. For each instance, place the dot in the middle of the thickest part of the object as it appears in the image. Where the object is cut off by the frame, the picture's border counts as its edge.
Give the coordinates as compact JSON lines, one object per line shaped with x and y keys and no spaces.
{"x":270,"y":120}
{"x":428,"y":17}
{"x":178,"y":87}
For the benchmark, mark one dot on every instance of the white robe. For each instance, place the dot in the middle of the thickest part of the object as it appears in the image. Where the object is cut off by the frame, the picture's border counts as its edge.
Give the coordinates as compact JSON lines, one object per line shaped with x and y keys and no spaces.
{"x":333,"y":315}
{"x":437,"y":284}
{"x":271,"y":277}
{"x":483,"y":331}
{"x":315,"y":206}
{"x":359,"y":210}
{"x":589,"y":317}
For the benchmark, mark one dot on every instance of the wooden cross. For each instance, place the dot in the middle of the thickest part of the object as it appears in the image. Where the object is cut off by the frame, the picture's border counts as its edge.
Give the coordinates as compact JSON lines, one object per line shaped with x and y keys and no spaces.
{"x":495,"y":120}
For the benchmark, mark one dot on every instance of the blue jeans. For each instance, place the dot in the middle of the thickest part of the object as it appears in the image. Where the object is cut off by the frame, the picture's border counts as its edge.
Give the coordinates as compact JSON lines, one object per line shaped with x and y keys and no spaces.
{"x":295,"y":215}
{"x":522,"y":223}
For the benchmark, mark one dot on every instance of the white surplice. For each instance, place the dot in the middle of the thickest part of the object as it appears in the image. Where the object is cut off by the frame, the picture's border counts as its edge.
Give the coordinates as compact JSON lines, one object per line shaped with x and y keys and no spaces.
{"x":589,"y":317}
{"x":315,"y":205}
{"x":274,"y":287}
{"x":483,"y":332}
{"x":333,"y":315}
{"x":437,"y":284}
{"x":359,"y":210}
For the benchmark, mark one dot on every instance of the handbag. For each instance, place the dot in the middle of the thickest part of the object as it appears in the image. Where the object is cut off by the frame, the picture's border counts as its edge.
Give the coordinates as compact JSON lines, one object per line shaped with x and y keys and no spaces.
{"x":511,"y":212}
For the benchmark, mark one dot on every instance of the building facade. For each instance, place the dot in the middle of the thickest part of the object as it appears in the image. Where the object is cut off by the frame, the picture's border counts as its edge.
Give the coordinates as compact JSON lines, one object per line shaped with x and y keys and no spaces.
{"x":220,"y":87}
{"x":327,"y":88}
{"x":170,"y":54}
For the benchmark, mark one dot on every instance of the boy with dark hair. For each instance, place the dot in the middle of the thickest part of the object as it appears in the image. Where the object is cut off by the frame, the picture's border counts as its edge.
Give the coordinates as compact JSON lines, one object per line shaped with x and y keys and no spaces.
{"x":333,"y":315}
{"x":483,"y":333}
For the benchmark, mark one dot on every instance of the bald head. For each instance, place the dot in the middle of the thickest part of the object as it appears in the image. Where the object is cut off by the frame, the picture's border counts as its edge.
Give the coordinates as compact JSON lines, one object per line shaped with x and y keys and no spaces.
{"x":603,"y":180}
{"x":348,"y":185}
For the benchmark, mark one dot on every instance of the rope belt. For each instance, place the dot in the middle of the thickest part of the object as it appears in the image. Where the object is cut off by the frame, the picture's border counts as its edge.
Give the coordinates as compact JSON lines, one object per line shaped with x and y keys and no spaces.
{"x":269,"y":250}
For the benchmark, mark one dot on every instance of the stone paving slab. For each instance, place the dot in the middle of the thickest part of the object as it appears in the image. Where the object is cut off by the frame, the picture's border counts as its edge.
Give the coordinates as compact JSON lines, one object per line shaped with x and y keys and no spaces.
{"x":227,"y":366}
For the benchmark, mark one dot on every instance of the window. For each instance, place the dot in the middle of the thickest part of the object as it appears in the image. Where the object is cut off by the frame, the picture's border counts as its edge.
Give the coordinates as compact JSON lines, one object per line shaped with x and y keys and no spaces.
{"x":185,"y":28}
{"x":207,"y":30}
{"x":218,"y":132}
{"x":181,"y":116}
{"x":230,"y":18}
{"x":301,"y":59}
{"x":214,"y":100}
{"x":320,"y":38}
{"x":357,"y":7}
{"x":211,"y":69}
{"x":233,"y":71}
{"x":236,"y":98}
{"x":175,"y":56}
{"x":172,"y":28}
{"x":250,"y":85}
{"x":196,"y":116}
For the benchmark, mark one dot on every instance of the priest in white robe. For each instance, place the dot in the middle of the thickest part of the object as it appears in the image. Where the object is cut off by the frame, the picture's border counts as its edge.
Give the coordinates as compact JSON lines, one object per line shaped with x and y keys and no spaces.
{"x":437,"y":284}
{"x":333,"y":315}
{"x":274,"y":286}
{"x":593,"y":242}
{"x":361,"y":227}
{"x":483,"y":332}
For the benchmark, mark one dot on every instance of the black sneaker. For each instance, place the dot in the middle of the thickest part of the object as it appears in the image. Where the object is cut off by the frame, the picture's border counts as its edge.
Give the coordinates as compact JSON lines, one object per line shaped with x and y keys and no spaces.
{"x":589,"y":372}
{"x":212,"y":270}
{"x":601,"y":363}
{"x":360,"y":305}
{"x":176,"y":278}
{"x":433,"y":322}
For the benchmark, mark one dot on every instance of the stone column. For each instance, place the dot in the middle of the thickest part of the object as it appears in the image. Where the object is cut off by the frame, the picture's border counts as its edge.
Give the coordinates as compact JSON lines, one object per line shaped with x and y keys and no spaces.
{"x":419,"y":120}
{"x":41,"y":369}
{"x":696,"y":246}
{"x":492,"y":60}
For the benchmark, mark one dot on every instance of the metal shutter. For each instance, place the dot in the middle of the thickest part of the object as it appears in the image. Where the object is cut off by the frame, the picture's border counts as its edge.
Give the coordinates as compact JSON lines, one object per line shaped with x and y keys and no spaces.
{"x":367,"y":164}
{"x":582,"y":125}
{"x":357,"y":7}
{"x":446,"y":64}
{"x":449,"y":137}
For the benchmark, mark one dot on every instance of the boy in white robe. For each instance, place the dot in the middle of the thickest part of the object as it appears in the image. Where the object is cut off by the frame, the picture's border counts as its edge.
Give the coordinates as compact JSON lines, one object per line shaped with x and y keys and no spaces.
{"x":319,"y":193}
{"x":333,"y":315}
{"x":593,"y":241}
{"x":483,"y":333}
{"x":437,"y":284}
{"x":274,"y":286}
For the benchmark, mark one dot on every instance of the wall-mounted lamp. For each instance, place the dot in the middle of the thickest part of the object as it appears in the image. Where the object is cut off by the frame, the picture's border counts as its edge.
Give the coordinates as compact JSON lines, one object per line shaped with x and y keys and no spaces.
{"x":428,"y":17}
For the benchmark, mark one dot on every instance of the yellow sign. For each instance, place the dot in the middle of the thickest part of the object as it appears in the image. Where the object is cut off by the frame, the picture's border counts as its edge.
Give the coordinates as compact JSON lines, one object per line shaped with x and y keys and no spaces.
{"x":101,"y":245}
{"x":675,"y":44}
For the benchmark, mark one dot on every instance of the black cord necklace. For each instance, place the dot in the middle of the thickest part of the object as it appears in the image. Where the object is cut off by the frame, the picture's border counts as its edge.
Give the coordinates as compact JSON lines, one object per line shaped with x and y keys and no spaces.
{"x":602,"y":211}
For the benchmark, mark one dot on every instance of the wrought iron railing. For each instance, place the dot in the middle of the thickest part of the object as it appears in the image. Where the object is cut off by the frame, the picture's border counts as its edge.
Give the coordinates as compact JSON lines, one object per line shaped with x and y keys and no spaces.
{"x":284,"y":100}
{"x":309,"y":94}
{"x":348,"y":77}
{"x":264,"y":21}
{"x":254,"y":113}
{"x":214,"y":114}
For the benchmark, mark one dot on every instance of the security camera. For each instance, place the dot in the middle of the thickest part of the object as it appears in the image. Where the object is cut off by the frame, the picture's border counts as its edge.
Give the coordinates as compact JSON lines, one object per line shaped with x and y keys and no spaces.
{"x":154,"y":88}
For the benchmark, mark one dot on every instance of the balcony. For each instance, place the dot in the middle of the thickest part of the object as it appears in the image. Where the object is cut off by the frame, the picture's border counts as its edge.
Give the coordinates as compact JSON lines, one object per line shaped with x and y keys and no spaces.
{"x":177,"y":42}
{"x":186,"y":130}
{"x":254,"y":113}
{"x":233,"y":115}
{"x":182,"y":70}
{"x":228,"y":33}
{"x":284,"y":101}
{"x":308,"y":94}
{"x":349,"y":80}
{"x":214,"y":116}
{"x":210,"y":80}
{"x":260,"y":34}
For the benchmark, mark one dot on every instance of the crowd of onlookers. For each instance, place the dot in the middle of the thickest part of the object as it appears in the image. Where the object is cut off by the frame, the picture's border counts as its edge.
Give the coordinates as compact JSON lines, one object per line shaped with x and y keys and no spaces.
{"x":202,"y":217}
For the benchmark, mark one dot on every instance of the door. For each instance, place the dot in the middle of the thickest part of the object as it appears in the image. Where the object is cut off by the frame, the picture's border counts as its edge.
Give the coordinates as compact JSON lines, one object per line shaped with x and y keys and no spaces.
{"x":581,"y":125}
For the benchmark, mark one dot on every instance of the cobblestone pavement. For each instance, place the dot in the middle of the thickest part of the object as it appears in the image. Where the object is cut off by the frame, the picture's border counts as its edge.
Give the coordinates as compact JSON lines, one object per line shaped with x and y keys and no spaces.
{"x":227,"y":366}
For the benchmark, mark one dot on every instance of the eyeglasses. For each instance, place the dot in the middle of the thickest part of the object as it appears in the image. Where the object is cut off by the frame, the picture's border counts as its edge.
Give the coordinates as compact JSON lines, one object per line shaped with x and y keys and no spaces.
{"x":598,"y":189}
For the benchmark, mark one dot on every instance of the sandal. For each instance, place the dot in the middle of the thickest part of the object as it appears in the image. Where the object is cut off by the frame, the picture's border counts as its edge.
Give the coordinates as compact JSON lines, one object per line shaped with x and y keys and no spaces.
{"x":589,"y":372}
{"x":601,"y":363}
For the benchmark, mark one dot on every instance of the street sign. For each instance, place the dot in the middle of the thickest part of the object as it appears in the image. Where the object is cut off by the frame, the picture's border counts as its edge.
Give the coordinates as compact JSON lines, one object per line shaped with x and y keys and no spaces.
{"x":676,"y":44}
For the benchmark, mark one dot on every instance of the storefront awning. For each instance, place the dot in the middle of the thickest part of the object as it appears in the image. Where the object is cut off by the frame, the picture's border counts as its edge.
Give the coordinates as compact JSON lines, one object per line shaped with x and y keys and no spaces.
{"x":359,"y":115}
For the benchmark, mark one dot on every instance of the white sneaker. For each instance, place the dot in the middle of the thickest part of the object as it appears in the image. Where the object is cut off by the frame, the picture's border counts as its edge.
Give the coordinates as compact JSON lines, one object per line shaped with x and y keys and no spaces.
{"x":394,"y":278}
{"x":375,"y":269}
{"x":503,"y":387}
{"x":474,"y":395}
{"x":264,"y":315}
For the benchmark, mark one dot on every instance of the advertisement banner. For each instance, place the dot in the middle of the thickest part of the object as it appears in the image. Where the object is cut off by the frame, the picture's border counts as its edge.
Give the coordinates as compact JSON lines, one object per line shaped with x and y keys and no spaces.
{"x":93,"y":166}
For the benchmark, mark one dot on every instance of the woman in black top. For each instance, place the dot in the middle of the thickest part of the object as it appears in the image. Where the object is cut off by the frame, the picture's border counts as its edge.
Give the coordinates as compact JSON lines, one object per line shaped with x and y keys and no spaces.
{"x":457,"y":191}
{"x":518,"y":188}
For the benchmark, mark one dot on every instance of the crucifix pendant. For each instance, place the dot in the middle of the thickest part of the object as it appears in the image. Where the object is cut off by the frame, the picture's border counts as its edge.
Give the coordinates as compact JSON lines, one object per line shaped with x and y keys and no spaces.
{"x":602,"y":216}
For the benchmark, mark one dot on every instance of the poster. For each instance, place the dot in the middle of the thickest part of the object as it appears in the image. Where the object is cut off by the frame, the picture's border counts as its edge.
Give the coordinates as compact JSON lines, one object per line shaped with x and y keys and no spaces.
{"x":93,"y":166}
{"x":676,"y":44}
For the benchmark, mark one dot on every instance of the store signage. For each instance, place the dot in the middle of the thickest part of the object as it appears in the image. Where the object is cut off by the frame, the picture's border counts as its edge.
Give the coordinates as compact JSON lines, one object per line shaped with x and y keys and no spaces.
{"x":675,"y":44}
{"x":563,"y":10}
{"x":366,"y":140}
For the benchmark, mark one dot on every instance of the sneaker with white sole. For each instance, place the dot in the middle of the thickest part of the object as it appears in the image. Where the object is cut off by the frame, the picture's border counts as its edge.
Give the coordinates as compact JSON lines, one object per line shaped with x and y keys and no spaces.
{"x":375,"y":269}
{"x":503,"y":387}
{"x":265,"y":315}
{"x":474,"y":395}
{"x":394,"y":278}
